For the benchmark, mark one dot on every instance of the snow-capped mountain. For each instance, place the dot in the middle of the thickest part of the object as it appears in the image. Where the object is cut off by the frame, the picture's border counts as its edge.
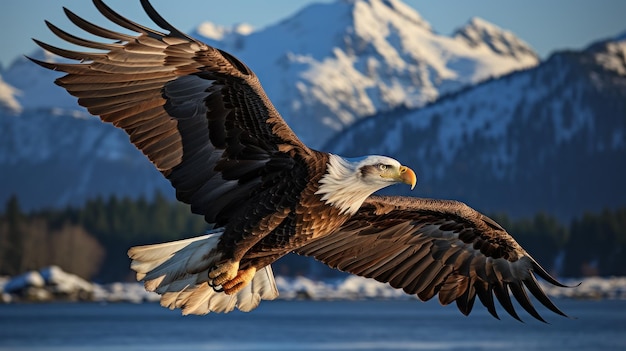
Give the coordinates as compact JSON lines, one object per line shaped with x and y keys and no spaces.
{"x":479,"y":32}
{"x":552,"y":138}
{"x":331,"y":64}
{"x":366,"y":57}
{"x":8,"y":98}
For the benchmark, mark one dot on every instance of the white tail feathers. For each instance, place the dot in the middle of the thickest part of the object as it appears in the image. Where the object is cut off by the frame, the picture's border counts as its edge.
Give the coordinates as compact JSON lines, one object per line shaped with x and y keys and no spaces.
{"x":178,"y":271}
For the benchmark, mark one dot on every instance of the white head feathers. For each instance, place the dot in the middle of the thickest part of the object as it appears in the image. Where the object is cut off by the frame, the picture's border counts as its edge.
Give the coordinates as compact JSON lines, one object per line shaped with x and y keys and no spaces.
{"x":346,"y":185}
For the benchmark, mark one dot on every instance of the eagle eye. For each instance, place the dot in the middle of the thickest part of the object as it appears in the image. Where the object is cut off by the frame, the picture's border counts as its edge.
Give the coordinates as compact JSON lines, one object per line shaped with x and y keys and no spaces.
{"x":382,"y":167}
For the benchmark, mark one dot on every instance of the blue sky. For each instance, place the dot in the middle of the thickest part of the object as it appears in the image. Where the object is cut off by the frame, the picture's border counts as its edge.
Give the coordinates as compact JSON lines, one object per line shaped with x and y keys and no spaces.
{"x":547,"y":25}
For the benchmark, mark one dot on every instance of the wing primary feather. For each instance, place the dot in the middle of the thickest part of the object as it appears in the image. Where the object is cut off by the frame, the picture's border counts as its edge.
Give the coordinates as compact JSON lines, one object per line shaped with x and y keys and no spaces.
{"x":522,"y":297}
{"x":116,"y":18}
{"x":502,"y":294}
{"x":61,"y":67}
{"x":545,"y":275}
{"x":161,"y":22}
{"x":465,"y":302}
{"x":534,"y":288}
{"x":485,"y":295}
{"x":70,"y":38}
{"x":74,"y":55}
{"x":94,"y":29}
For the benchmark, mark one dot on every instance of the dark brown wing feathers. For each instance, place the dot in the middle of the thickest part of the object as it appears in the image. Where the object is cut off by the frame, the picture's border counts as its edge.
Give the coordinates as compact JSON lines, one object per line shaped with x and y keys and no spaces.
{"x":199,"y":114}
{"x":428,"y":247}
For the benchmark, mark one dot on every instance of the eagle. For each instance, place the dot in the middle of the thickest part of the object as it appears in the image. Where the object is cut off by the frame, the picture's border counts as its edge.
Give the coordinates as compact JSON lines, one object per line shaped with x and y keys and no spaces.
{"x":200,"y":115}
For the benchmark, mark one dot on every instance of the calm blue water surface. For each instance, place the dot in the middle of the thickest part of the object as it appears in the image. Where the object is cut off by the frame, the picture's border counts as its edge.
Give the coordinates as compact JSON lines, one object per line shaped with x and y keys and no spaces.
{"x":309,"y":325}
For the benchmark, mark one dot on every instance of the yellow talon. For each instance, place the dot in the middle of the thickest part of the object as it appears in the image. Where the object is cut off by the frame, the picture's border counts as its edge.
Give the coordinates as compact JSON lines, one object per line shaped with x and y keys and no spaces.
{"x":243,"y":278}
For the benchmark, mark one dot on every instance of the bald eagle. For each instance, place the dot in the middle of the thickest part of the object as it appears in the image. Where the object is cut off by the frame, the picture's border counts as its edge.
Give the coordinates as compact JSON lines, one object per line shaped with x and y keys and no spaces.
{"x":202,"y":118}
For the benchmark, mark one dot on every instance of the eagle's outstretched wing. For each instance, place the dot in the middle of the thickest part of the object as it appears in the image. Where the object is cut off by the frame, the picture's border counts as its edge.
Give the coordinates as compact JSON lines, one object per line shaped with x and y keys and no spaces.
{"x":199,"y":114}
{"x":429,"y":247}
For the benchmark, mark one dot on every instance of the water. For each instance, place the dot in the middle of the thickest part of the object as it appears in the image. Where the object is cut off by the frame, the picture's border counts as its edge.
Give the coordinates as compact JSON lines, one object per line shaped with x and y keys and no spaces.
{"x":309,"y":325}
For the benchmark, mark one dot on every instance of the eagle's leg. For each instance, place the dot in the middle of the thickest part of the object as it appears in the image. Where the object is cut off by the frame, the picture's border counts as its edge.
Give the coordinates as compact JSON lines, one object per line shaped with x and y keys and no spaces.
{"x":223,"y":272}
{"x":243,"y":278}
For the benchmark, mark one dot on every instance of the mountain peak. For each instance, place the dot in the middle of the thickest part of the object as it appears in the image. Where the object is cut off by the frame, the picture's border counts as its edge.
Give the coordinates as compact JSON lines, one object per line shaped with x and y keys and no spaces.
{"x":388,"y":11}
{"x":8,"y":97}
{"x":216,"y":32}
{"x":611,"y":53}
{"x":478,"y":22}
{"x":479,"y":32}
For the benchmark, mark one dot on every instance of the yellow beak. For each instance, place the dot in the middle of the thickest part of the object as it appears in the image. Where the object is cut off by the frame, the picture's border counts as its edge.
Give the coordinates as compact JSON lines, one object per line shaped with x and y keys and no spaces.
{"x":407,"y":176}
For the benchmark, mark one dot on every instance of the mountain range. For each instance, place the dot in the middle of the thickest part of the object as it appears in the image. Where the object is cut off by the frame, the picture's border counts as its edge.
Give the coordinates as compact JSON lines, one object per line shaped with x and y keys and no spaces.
{"x":550,"y":139}
{"x":475,"y":112}
{"x":368,"y":56}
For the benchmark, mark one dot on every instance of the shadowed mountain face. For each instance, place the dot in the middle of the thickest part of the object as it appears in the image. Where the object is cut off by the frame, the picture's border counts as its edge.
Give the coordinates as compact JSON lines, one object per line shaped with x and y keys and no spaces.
{"x":552,"y":138}
{"x":57,"y":158}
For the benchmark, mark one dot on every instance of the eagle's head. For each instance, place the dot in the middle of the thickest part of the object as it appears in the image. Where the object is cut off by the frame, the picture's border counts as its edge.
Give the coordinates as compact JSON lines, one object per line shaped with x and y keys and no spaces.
{"x":349,"y":181}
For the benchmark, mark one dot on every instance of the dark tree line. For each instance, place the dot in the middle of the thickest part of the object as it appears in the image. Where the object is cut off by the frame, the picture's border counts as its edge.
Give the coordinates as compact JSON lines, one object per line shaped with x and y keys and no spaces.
{"x":92,"y":241}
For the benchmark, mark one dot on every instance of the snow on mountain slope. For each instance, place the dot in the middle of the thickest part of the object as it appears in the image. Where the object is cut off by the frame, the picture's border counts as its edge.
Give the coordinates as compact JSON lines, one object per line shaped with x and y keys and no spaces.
{"x":8,"y":98}
{"x":544,"y":138}
{"x":612,"y":55}
{"x":479,"y":32}
{"x":369,"y":56}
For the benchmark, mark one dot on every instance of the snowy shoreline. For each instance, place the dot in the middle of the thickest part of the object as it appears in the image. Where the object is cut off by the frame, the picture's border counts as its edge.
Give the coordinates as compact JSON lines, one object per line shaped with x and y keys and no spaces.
{"x":53,"y":284}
